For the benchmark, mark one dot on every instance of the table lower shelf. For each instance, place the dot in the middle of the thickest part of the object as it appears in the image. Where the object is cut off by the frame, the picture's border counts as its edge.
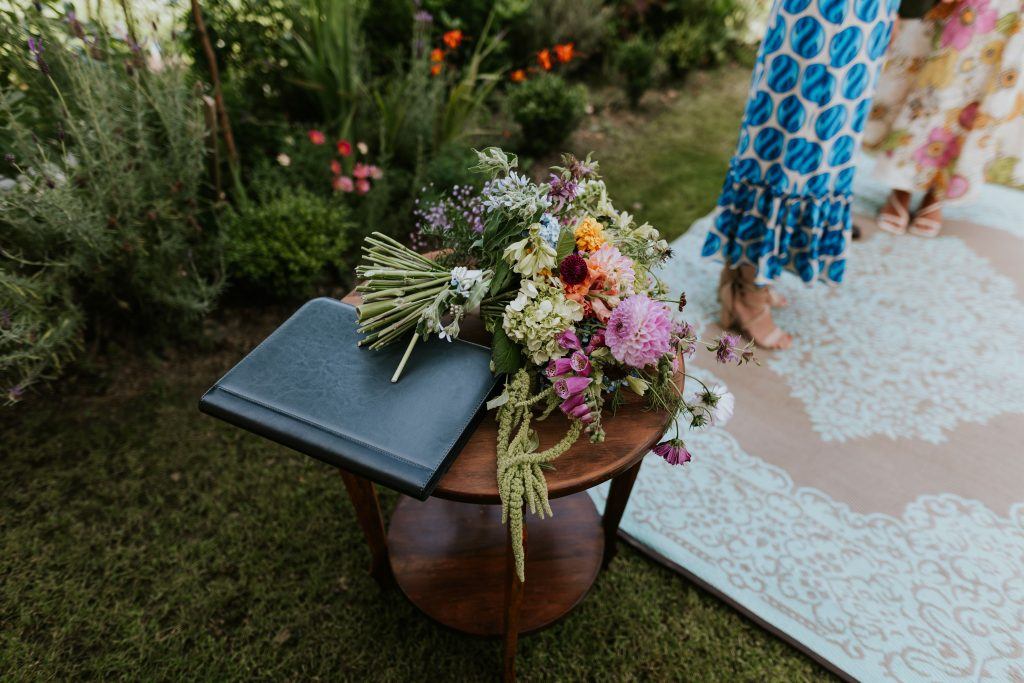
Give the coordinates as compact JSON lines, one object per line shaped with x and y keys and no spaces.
{"x":450,"y":560}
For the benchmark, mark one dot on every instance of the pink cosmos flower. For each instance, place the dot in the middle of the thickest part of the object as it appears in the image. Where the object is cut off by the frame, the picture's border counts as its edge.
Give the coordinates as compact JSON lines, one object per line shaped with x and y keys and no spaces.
{"x":362,"y":186}
{"x":343,"y":183}
{"x":361,"y":170}
{"x":344,"y":148}
{"x":316,"y":137}
{"x":974,"y":17}
{"x":941,"y":149}
{"x":639,"y":331}
{"x":673,"y":451}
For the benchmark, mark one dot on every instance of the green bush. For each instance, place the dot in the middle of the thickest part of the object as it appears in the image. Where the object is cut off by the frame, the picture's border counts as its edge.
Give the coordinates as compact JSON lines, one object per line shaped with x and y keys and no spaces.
{"x":547,"y":110}
{"x":635,"y":60}
{"x":283,"y":243}
{"x":101,"y":212}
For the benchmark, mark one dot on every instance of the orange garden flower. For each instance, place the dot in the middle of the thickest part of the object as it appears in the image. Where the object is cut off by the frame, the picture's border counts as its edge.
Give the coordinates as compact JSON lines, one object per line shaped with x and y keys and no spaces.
{"x":518,"y":76}
{"x":544,"y":59}
{"x":565,"y":52}
{"x":316,"y":137}
{"x":435,"y":69}
{"x":452,"y":38}
{"x":437,"y":55}
{"x":344,"y":148}
{"x":589,"y":234}
{"x":335,"y":167}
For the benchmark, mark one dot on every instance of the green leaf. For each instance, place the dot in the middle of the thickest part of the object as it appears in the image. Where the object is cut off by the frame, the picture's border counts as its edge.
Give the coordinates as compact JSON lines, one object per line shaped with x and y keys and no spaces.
{"x":566,"y":243}
{"x":505,"y":355}
{"x":502,"y":277}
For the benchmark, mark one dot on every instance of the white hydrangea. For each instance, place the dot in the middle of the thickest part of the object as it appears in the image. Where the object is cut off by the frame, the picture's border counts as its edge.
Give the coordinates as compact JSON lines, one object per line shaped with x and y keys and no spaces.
{"x":535,"y":318}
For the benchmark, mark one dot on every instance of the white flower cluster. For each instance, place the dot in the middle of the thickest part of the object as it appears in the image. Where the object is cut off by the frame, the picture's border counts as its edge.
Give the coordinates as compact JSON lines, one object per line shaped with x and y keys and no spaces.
{"x":535,"y":318}
{"x":516,"y":195}
{"x":532,"y":254}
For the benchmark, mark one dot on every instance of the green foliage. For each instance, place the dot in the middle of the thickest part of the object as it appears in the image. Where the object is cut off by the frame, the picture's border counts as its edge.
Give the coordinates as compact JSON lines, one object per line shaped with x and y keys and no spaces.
{"x":635,"y":60}
{"x":708,"y":32}
{"x":101,"y":225}
{"x":283,"y":242}
{"x":585,"y":23}
{"x":547,"y":110}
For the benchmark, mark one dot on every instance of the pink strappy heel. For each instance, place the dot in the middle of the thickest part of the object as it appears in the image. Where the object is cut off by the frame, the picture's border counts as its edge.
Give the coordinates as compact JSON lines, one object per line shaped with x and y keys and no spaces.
{"x":924,"y":223}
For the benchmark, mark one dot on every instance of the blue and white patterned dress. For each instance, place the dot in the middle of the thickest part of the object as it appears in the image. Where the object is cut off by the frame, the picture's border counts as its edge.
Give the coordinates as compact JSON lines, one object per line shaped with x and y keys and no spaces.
{"x":785,"y":203}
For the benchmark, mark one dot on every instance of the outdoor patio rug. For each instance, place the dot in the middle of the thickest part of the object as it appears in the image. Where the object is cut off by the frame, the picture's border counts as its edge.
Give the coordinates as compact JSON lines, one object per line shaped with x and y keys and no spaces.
{"x":867,"y":500}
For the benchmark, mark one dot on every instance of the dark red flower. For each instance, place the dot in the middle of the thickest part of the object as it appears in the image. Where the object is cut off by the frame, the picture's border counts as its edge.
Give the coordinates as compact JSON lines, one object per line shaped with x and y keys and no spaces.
{"x":573,"y":269}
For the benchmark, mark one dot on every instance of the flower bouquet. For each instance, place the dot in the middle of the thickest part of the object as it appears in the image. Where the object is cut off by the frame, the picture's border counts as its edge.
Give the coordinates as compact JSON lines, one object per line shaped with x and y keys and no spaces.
{"x":566,"y":285}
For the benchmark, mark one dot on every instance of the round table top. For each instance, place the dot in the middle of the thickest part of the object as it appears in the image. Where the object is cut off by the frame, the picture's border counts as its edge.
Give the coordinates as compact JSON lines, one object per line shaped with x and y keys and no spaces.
{"x":630,"y":434}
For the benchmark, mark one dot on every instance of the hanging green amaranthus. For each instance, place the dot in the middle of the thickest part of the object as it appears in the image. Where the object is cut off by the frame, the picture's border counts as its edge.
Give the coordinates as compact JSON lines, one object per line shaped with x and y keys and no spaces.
{"x":520,"y":474}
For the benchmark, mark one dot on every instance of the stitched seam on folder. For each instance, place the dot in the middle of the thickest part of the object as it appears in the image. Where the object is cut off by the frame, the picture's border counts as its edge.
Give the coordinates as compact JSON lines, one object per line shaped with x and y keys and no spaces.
{"x":322,"y":428}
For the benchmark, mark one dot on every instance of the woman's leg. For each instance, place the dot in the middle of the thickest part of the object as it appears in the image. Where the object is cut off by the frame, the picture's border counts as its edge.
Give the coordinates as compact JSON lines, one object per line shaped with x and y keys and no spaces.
{"x":928,"y":217}
{"x":895,"y":215}
{"x":747,"y":307}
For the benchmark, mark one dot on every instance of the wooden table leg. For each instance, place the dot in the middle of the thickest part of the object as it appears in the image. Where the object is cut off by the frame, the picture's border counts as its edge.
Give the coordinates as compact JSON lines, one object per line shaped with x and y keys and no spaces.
{"x":364,"y":499}
{"x":513,"y":608}
{"x":618,"y":496}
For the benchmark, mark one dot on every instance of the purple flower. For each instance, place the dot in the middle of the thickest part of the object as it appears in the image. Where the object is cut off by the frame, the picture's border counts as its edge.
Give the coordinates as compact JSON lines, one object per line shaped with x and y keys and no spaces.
{"x":569,"y":341}
{"x":560,"y":192}
{"x":558,"y":367}
{"x":570,"y":386}
{"x":673,"y":451}
{"x":726,"y":347}
{"x":596,"y":341}
{"x":15,"y":393}
{"x":423,"y":17}
{"x":9,"y":158}
{"x":576,"y":406}
{"x":639,"y":331}
{"x":684,"y":338}
{"x":579,"y":363}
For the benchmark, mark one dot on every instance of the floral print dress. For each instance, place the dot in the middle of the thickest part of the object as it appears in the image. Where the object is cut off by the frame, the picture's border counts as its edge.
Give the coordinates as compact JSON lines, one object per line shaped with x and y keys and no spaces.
{"x":949,"y":112}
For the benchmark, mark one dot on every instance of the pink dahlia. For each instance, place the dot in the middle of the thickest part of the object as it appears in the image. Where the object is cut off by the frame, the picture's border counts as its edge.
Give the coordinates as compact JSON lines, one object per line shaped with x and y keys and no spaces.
{"x":639,"y":331}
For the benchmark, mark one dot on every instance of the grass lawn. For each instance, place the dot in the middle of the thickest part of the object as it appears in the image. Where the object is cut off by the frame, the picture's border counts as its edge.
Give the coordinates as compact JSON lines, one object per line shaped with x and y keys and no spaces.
{"x":142,"y":540}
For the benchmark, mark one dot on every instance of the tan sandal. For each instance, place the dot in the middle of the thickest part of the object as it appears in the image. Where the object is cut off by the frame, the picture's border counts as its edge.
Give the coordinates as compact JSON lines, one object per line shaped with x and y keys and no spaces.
{"x":924,"y":223}
{"x":776,"y":299}
{"x":895,"y":224}
{"x":759,"y":325}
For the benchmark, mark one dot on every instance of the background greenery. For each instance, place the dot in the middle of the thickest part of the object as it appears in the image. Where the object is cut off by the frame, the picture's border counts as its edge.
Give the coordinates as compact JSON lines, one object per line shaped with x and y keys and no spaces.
{"x":143,"y":540}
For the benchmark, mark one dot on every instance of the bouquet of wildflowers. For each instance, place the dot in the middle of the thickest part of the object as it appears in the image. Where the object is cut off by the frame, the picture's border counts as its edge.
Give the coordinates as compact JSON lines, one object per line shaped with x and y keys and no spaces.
{"x":566,"y":285}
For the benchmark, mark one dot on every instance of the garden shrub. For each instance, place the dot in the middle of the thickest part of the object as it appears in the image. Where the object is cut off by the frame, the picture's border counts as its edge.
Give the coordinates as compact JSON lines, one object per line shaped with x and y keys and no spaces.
{"x":584,"y":23}
{"x":635,"y":60}
{"x":101,"y":213}
{"x":284,"y":242}
{"x":705,"y":36}
{"x":547,"y":110}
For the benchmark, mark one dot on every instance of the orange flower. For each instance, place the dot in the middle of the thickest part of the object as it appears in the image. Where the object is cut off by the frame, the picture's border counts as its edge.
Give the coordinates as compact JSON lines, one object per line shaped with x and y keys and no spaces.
{"x":437,"y":55}
{"x":335,"y":167}
{"x":544,"y":59}
{"x":316,"y":137}
{"x":452,"y":38}
{"x":565,"y":52}
{"x":518,"y":76}
{"x":435,"y":69}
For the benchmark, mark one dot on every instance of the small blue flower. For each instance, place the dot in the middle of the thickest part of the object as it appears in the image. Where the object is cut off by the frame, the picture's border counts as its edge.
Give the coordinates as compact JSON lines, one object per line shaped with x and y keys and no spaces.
{"x":549,"y":229}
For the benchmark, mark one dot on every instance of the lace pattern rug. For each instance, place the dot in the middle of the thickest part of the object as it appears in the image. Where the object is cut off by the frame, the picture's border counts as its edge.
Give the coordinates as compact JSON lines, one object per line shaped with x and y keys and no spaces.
{"x":867,"y":501}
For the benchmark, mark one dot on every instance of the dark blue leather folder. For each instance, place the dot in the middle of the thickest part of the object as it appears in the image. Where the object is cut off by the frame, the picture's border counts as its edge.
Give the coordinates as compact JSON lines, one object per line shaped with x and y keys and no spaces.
{"x":309,"y":387}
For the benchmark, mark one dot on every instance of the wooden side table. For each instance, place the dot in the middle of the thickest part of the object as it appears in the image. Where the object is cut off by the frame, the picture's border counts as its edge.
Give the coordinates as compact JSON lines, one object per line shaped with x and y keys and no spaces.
{"x":452,"y":556}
